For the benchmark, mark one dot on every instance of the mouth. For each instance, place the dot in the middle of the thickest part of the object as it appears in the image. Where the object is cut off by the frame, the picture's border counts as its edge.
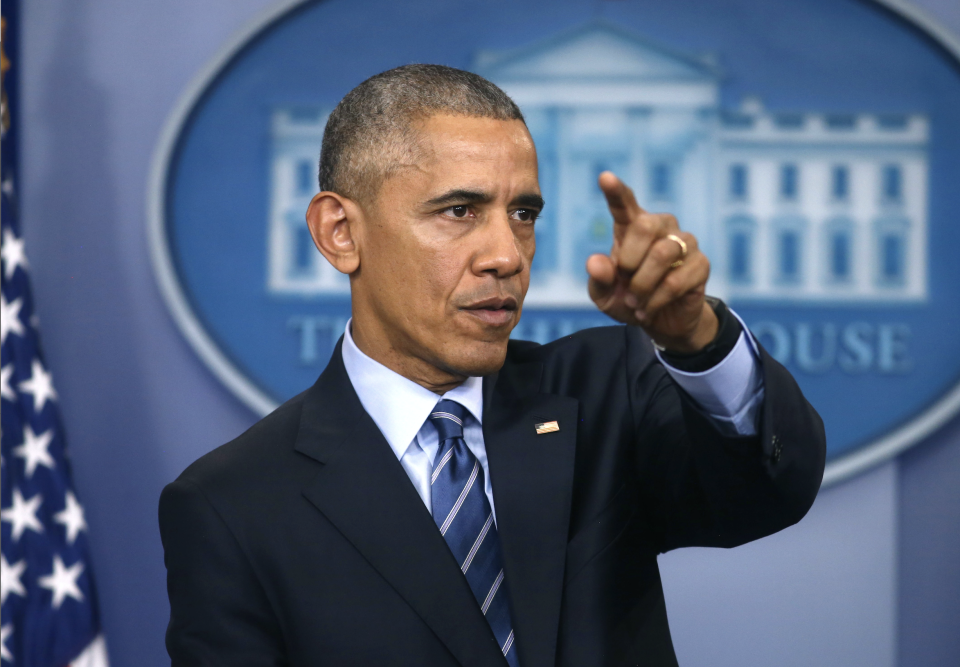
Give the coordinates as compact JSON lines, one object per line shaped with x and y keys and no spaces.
{"x":495,"y":311}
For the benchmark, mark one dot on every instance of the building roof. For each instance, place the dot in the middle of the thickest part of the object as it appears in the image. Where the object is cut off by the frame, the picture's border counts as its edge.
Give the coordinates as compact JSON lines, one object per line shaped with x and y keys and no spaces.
{"x":595,"y":51}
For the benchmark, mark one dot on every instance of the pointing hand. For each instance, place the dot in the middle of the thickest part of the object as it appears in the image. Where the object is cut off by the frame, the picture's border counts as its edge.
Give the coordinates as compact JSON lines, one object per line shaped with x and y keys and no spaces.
{"x":655,"y":275}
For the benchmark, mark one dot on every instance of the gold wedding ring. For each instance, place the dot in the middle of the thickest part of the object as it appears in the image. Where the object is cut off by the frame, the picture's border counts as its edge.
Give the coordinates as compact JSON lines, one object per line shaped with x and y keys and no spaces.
{"x":683,"y":250}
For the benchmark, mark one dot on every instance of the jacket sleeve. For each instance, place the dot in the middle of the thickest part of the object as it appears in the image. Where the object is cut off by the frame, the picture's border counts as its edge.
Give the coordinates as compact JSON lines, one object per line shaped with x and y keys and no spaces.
{"x":702,"y":488}
{"x":219,"y":614}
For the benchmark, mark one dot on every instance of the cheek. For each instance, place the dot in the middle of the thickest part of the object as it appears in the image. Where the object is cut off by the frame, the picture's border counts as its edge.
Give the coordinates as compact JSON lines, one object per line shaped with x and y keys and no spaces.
{"x":442,"y":273}
{"x":529,"y":247}
{"x":421,"y":279}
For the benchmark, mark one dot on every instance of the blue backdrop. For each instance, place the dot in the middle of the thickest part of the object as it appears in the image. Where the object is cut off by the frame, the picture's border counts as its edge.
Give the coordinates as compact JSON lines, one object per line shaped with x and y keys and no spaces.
{"x":824,"y":55}
{"x":869,"y":578}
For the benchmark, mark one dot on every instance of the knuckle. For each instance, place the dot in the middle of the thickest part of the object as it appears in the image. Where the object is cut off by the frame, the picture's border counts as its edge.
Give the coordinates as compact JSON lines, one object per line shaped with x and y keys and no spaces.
{"x":648,"y":219}
{"x":629,"y":256}
{"x":638,"y":285}
{"x":641,"y":226}
{"x":663,"y":252}
{"x":643,"y":229}
{"x":673,"y":285}
{"x":655,"y":222}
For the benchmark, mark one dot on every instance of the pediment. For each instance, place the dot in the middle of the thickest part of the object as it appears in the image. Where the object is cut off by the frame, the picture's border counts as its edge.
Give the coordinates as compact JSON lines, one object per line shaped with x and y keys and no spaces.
{"x":598,"y":51}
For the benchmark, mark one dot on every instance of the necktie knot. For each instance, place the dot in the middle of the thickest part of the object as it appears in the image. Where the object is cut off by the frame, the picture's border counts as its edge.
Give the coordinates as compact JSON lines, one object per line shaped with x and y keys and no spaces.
{"x":447,"y":416}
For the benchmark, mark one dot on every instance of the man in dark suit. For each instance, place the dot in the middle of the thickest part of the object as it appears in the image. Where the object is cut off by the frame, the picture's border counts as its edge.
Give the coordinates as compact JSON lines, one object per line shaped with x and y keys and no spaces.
{"x":445,"y":496}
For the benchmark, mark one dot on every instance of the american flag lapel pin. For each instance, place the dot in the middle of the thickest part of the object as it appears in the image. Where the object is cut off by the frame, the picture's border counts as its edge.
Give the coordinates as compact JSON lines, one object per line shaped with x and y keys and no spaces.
{"x":547,"y":427}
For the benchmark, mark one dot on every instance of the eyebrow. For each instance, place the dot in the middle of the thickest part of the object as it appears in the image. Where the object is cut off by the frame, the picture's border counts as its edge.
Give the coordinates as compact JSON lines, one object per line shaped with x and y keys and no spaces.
{"x":461,"y":196}
{"x":529,"y":201}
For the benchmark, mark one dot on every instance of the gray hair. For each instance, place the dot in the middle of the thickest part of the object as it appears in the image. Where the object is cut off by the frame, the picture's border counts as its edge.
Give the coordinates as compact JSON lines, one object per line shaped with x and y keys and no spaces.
{"x":372,"y":131}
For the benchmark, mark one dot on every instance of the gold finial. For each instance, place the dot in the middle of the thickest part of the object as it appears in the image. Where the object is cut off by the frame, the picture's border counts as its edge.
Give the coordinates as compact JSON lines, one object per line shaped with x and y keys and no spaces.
{"x":4,"y":63}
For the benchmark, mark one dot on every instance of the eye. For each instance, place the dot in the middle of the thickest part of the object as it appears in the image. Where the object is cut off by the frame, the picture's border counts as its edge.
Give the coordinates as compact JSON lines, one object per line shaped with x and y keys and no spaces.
{"x":458,"y":211}
{"x":525,"y":214}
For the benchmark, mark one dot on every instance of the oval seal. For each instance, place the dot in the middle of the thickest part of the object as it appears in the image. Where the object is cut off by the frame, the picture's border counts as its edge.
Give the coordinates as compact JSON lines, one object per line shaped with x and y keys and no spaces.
{"x":814,"y":148}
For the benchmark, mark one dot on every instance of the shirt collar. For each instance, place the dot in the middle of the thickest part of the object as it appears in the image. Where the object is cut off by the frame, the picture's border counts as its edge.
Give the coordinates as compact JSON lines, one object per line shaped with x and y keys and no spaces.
{"x":398,"y":406}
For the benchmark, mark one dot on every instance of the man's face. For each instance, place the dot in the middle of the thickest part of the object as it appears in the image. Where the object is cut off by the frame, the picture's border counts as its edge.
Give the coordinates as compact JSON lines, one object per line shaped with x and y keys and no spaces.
{"x":445,"y":250}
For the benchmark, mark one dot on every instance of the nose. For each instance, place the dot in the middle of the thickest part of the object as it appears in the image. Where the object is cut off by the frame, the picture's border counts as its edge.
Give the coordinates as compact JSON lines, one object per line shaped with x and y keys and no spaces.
{"x":500,"y":255}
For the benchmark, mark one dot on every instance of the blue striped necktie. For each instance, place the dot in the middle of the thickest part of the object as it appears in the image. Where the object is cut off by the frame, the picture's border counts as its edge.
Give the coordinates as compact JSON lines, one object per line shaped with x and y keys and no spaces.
{"x":465,"y":519}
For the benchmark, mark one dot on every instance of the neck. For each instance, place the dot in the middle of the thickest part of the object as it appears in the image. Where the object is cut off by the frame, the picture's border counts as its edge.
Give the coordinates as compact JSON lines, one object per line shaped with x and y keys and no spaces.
{"x":378,"y":347}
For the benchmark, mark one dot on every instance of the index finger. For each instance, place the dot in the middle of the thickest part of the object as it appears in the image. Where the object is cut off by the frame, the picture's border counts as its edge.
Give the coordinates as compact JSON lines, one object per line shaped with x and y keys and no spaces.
{"x":623,"y":205}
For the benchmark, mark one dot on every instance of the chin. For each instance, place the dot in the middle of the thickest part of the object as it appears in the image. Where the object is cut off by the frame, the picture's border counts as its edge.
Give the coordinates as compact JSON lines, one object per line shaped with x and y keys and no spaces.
{"x":478,"y":358}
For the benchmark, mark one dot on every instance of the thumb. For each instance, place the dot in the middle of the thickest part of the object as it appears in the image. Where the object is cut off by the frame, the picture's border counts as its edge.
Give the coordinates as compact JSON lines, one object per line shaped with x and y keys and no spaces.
{"x":603,"y":279}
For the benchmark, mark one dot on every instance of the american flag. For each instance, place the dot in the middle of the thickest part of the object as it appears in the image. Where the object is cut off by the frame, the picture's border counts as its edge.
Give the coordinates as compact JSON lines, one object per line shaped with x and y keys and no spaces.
{"x":49,"y":605}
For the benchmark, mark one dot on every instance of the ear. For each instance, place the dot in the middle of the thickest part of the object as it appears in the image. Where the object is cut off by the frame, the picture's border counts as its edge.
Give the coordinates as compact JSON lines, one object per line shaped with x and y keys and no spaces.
{"x":334,"y":221}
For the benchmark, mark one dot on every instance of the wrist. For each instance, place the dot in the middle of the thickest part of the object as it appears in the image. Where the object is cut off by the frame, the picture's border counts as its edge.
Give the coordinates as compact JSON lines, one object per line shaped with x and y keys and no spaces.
{"x":728,"y":334}
{"x":699,"y":338}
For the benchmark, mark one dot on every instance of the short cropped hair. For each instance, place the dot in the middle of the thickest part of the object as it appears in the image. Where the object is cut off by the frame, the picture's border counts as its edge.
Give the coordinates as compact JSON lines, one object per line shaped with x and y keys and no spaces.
{"x":373,"y":130}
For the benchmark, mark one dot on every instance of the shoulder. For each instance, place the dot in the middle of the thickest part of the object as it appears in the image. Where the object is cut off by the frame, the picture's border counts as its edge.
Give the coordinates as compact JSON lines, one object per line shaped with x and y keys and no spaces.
{"x":597,"y":353}
{"x":610,"y":344}
{"x":264,"y":448}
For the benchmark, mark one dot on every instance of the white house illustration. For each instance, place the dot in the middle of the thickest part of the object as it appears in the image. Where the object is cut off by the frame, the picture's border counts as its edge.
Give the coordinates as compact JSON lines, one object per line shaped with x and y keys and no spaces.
{"x":789,"y":206}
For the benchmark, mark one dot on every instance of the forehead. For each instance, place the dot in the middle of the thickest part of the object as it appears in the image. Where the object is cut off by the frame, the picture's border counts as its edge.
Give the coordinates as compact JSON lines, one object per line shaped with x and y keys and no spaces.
{"x":463,"y":142}
{"x":482,"y":155}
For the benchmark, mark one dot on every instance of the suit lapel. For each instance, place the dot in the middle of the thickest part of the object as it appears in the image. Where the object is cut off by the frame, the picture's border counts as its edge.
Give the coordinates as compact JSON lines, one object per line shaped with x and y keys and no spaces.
{"x":532,"y":477}
{"x":363,"y":490}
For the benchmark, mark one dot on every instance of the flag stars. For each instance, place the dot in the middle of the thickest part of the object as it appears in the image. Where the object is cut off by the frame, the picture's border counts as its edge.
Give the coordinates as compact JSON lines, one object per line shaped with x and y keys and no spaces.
{"x":62,"y":582}
{"x":6,"y":391}
{"x":72,"y":518}
{"x":40,"y":385}
{"x":10,"y":579}
{"x":5,"y":632}
{"x":22,"y":515}
{"x":10,"y":318}
{"x":13,"y":254}
{"x":35,"y":450}
{"x":42,"y":575}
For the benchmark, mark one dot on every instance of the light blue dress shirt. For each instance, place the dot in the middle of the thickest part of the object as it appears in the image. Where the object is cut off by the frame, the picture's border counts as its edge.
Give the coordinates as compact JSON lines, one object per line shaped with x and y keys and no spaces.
{"x":730,"y":393}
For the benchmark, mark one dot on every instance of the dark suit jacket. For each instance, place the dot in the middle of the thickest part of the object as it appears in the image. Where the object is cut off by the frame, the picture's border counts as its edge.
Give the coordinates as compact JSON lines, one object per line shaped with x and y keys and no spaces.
{"x":303,"y":542}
